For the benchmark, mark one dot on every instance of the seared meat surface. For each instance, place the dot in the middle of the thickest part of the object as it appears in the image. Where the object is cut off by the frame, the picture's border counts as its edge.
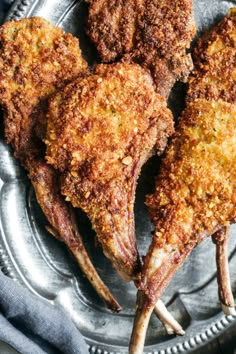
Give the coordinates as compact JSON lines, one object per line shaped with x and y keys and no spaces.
{"x":195,"y":190}
{"x":36,"y":59}
{"x":101,"y":130}
{"x":153,"y":33}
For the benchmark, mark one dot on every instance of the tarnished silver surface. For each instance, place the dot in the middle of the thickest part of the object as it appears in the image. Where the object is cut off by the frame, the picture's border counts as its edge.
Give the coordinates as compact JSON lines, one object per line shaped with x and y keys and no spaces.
{"x":33,"y":257}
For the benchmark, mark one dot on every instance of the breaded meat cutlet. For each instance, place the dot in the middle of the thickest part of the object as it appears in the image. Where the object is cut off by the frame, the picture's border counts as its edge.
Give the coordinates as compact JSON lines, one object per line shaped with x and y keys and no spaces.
{"x":101,"y":130}
{"x":154,"y":33}
{"x":195,"y":191}
{"x":36,"y":59}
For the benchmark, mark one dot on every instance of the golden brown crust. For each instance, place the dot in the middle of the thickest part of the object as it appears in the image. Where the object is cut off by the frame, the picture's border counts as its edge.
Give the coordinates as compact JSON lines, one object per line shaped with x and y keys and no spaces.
{"x":152,"y":33}
{"x":101,"y":130}
{"x":36,"y":58}
{"x":215,"y":62}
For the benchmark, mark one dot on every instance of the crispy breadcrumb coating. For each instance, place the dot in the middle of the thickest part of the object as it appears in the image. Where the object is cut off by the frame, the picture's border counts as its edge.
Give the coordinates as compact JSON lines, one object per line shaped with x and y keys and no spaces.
{"x":215,"y":64}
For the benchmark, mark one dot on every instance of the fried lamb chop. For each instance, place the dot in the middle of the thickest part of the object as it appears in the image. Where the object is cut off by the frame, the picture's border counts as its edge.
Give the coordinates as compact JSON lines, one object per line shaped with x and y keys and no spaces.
{"x":101,"y":130}
{"x":36,"y":59}
{"x":195,"y":191}
{"x":154,"y":33}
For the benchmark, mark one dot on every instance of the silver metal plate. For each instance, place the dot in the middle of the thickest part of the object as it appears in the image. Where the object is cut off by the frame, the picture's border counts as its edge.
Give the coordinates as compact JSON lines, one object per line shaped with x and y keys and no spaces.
{"x":30,"y":255}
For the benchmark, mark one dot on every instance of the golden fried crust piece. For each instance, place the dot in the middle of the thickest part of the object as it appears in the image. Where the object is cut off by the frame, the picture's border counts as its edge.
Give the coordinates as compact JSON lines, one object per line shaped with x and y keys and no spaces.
{"x":215,"y":62}
{"x":101,"y":130}
{"x":36,"y":58}
{"x":152,"y":33}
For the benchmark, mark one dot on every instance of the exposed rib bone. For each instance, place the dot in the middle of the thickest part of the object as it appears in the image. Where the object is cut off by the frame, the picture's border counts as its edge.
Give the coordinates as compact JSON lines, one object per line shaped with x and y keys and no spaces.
{"x":166,"y":318}
{"x":143,"y":313}
{"x":221,"y":239}
{"x":61,"y":217}
{"x":169,"y":322}
{"x":145,"y":304}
